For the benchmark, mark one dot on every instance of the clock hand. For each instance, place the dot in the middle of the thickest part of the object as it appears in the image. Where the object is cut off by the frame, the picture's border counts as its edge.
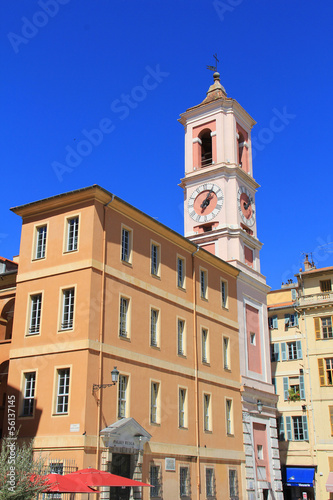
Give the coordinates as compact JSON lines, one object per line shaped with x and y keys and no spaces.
{"x":246,"y":205}
{"x":206,"y":201}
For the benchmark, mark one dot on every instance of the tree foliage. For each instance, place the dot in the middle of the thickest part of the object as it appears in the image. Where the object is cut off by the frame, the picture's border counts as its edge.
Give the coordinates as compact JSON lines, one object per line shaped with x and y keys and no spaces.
{"x":20,"y":472}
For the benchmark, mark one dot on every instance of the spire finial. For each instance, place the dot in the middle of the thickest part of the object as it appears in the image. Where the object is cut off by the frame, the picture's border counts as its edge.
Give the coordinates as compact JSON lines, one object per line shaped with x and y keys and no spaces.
{"x":214,"y":68}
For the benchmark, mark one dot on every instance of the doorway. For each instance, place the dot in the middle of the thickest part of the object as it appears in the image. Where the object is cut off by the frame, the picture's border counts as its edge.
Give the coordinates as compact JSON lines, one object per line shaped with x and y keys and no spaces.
{"x":120,"y":465}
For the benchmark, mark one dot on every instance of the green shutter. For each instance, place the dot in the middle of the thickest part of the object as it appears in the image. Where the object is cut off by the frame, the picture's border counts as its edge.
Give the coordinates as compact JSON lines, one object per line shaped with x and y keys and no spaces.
{"x":299,"y":349}
{"x":275,"y":322}
{"x":286,"y":388}
{"x":283,"y":351}
{"x":281,"y":429}
{"x":289,"y":432}
{"x":305,"y":427}
{"x":276,"y":352}
{"x":301,"y":387}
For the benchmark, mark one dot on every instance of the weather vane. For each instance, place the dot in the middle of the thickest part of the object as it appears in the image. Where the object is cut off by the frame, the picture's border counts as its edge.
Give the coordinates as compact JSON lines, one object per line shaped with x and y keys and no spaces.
{"x":214,"y":68}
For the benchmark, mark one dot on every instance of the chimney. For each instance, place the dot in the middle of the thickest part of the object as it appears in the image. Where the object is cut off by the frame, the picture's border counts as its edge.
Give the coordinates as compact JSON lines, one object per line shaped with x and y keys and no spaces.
{"x":307,"y":263}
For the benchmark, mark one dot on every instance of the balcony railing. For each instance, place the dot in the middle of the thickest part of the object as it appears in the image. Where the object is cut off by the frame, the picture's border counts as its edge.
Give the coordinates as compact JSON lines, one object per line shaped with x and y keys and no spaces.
{"x":315,"y":298}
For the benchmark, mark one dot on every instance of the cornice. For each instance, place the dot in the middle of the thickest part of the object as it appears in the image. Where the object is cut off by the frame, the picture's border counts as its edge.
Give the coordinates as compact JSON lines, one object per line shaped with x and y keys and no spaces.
{"x":218,"y":170}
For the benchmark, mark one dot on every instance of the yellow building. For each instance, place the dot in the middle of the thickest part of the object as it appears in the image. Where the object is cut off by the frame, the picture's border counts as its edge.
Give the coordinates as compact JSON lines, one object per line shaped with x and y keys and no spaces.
{"x":102,"y":285}
{"x":300,"y":320}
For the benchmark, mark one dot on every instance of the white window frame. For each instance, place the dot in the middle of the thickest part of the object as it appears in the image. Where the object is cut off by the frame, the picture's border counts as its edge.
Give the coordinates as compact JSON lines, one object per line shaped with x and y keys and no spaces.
{"x":123,"y":393}
{"x":155,"y":259}
{"x":205,"y":345}
{"x":181,"y":272}
{"x":155,"y":327}
{"x":124,"y":329}
{"x":29,"y":392}
{"x":155,"y":398}
{"x":226,"y":352}
{"x":181,"y":337}
{"x":67,"y":308}
{"x":184,"y":481}
{"x":182,"y":408}
{"x":35,"y":315}
{"x":229,"y":418}
{"x":40,"y":242}
{"x":224,"y":294}
{"x":126,"y":247}
{"x":207,"y":412}
{"x":63,"y":381}
{"x":203,"y":273}
{"x":72,"y":240}
{"x":210,"y":485}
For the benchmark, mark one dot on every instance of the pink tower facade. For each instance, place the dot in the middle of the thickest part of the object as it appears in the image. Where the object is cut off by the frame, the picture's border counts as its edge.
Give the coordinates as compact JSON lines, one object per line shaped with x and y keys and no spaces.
{"x":220,"y":216}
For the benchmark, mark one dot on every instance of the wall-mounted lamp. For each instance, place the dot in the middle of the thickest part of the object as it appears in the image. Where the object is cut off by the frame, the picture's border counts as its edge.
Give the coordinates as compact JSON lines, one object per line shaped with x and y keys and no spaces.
{"x":259,"y":406}
{"x":114,"y":378}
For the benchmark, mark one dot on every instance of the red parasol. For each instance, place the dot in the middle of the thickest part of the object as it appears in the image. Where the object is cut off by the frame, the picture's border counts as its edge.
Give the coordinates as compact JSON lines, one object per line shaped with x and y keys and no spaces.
{"x":65,"y":484}
{"x":95,"y":477}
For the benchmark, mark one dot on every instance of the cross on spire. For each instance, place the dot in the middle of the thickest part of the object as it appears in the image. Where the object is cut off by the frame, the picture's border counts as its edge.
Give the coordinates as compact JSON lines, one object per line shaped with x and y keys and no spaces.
{"x":214,"y":68}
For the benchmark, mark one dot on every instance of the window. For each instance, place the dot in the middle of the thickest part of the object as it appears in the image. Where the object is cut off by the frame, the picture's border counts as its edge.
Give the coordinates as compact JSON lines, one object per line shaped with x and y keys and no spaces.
{"x":260,"y":452}
{"x":323,"y":327}
{"x":203,"y":284}
{"x":182,"y":408}
{"x":252,"y":338}
{"x":41,"y":242}
{"x":126,"y":245}
{"x":206,"y":147}
{"x":224,"y":294}
{"x":226,"y":353}
{"x":154,"y":402}
{"x":67,"y":309}
{"x":29,"y":394}
{"x":325,"y":286}
{"x":210,"y":483}
{"x":293,"y":294}
{"x":180,"y":272}
{"x":155,"y":481}
{"x":184,"y":482}
{"x":154,"y":324}
{"x":280,"y":428}
{"x":72,"y":234}
{"x":293,"y":388}
{"x":207,"y":413}
{"x":297,"y":428}
{"x":275,"y":352}
{"x":291,"y":350}
{"x":181,"y":337}
{"x":290,"y":320}
{"x":35,"y":312}
{"x":204,"y":345}
{"x":330,"y":409}
{"x":228,"y":411}
{"x":273,"y":322}
{"x":122,"y":396}
{"x":62,"y":391}
{"x":233,"y":484}
{"x":155,"y":259}
{"x":123,"y":317}
{"x":325,"y":371}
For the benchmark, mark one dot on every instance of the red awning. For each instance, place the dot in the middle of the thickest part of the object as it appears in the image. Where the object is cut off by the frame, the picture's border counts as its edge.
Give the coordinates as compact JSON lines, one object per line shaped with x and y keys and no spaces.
{"x":94,"y":477}
{"x":329,"y":482}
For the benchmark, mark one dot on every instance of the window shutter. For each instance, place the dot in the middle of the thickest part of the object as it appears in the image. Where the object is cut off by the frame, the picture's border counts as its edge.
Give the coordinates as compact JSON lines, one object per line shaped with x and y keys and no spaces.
{"x":283,"y":351}
{"x":276,"y":352}
{"x":299,"y":349}
{"x":274,"y":383}
{"x":285,"y":388}
{"x":317,"y":328}
{"x":275,"y":322}
{"x":293,"y":294}
{"x":286,"y":319}
{"x":305,"y":427}
{"x":281,"y":428}
{"x":301,"y":387}
{"x":288,"y":425}
{"x":321,"y":372}
{"x":296,"y":319}
{"x":331,"y":419}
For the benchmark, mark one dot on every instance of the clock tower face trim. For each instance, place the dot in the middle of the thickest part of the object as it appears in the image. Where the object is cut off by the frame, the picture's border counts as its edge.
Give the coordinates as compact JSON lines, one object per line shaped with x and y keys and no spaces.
{"x":246,"y":206}
{"x":205,"y":202}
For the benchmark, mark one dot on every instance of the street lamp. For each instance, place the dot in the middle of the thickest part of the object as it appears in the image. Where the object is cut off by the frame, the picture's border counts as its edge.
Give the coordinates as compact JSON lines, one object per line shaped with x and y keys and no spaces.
{"x":259,"y":406}
{"x":114,"y":378}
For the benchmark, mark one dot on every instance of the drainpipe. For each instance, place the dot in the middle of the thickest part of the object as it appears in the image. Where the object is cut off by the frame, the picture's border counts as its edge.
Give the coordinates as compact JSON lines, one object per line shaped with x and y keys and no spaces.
{"x":101,"y":333}
{"x":196,"y":386}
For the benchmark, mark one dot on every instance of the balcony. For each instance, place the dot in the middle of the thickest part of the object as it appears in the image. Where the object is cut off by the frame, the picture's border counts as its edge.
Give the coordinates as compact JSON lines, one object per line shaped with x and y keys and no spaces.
{"x":315,"y":298}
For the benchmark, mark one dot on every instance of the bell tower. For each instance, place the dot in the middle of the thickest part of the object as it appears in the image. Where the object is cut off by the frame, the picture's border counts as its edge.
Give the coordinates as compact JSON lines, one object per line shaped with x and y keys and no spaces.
{"x":219,"y":188}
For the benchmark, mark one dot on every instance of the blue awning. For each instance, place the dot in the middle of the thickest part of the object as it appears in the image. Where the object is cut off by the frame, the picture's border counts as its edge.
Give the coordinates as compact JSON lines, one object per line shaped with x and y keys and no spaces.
{"x":299,"y":476}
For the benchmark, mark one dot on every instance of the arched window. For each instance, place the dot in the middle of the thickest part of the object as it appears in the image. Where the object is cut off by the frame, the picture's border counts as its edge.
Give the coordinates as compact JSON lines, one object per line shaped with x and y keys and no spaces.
{"x":241,"y":144}
{"x":6,"y":320}
{"x":206,"y":147}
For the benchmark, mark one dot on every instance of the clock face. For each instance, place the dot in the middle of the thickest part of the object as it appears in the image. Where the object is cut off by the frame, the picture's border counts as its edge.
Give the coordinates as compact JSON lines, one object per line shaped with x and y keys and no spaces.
{"x":246,"y":207}
{"x":205,"y":203}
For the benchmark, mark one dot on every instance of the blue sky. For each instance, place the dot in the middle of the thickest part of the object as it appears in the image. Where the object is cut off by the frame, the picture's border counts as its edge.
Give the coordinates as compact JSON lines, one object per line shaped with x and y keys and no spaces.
{"x":129,"y":69}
